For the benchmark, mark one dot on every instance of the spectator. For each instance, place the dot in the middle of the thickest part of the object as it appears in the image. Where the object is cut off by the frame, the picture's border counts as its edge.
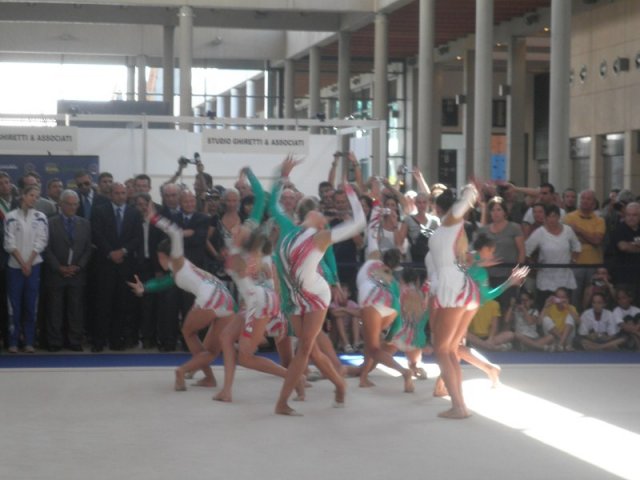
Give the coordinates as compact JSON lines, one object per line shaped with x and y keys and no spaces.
{"x":598,"y":329}
{"x":44,"y":205}
{"x":419,"y":227}
{"x":628,"y":317}
{"x":537,"y":210}
{"x":105,"y":180}
{"x":25,"y":238}
{"x":546,"y":196}
{"x":7,"y":203}
{"x":129,"y":184}
{"x":516,"y":208}
{"x":590,"y":230}
{"x":345,"y":314}
{"x":66,"y":259}
{"x":117,"y":233}
{"x":89,"y":198}
{"x":626,"y":241}
{"x":600,"y":283}
{"x":509,"y":242}
{"x":485,"y":332}
{"x":569,"y":200}
{"x":208,"y":179}
{"x":346,"y":252}
{"x":559,"y":319}
{"x":524,"y":319}
{"x":170,"y":200}
{"x":54,"y":190}
{"x":556,"y":244}
{"x":147,"y":268}
{"x":7,"y":200}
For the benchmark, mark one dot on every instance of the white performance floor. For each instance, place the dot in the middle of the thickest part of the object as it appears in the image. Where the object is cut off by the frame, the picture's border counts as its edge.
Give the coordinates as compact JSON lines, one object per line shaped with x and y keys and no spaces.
{"x":545,"y":422}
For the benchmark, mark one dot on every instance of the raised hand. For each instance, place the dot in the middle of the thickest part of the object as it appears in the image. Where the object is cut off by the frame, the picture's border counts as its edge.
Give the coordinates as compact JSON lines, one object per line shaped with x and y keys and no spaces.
{"x":288,"y":165}
{"x":519,"y":275}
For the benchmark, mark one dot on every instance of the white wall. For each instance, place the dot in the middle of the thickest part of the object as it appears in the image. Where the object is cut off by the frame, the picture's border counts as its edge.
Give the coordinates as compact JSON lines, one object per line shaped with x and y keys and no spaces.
{"x":121,"y":152}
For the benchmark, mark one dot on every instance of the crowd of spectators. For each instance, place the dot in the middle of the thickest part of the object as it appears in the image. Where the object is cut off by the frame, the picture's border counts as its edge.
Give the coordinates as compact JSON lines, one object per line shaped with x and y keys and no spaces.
{"x":69,"y":251}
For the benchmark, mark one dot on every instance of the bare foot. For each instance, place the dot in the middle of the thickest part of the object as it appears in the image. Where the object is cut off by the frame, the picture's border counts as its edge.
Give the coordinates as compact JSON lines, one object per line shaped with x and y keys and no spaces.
{"x":408,"y":381}
{"x":340,"y":394}
{"x":287,"y":410}
{"x":300,"y":395}
{"x":454,"y":413}
{"x":179,"y":385}
{"x":188,"y":375}
{"x":494,"y":376}
{"x":366,"y":383}
{"x":222,"y":396}
{"x":419,"y":372}
{"x":208,"y":382}
{"x":440,"y":390}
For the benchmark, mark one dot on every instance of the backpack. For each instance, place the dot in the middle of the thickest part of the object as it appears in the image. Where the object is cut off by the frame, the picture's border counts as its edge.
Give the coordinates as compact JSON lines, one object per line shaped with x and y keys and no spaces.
{"x":420,"y":246}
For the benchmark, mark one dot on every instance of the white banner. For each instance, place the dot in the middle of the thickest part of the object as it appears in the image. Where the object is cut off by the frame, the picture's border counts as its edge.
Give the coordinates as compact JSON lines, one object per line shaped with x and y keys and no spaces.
{"x":38,"y":139}
{"x":255,"y":141}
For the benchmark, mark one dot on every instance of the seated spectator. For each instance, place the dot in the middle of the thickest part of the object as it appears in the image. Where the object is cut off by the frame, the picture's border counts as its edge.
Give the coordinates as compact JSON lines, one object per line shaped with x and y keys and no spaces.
{"x":598,"y":329}
{"x":628,"y":317}
{"x":559,"y":319}
{"x":484,"y":331}
{"x":345,"y":315}
{"x":600,"y":283}
{"x":525,"y":320}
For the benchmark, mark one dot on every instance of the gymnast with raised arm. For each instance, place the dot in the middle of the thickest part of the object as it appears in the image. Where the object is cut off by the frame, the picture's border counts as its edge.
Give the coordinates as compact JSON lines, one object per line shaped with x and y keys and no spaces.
{"x":213,"y":307}
{"x":299,"y":252}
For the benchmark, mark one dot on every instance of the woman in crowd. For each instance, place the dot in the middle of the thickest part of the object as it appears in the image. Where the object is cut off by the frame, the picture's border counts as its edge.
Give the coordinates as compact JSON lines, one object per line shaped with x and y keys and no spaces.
{"x":213,"y":307}
{"x":299,"y":253}
{"x":26,"y":234}
{"x":418,"y":228}
{"x":509,"y":244}
{"x":555,"y":243}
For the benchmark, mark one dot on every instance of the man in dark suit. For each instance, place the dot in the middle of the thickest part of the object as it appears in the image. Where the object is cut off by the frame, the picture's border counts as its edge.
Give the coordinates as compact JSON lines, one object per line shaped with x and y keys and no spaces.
{"x":8,"y":202}
{"x":168,"y":325}
{"x":148,"y":267}
{"x":117,"y":233}
{"x":66,"y":259}
{"x":89,"y":198}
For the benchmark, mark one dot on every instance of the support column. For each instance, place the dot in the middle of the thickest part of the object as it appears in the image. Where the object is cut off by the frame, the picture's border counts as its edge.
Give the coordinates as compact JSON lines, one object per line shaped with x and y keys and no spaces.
{"x":131,"y":80}
{"x":221,"y":108}
{"x":234,"y":104}
{"x":380,"y":95}
{"x":250,"y":100}
{"x":270,"y":110}
{"x":289,"y":74}
{"x":344,"y":82}
{"x":141,"y":67}
{"x":517,"y":82}
{"x":314,"y":84}
{"x":483,"y":89}
{"x":436,"y":119}
{"x":168,"y":65}
{"x":596,"y":167}
{"x":631,"y":162}
{"x":559,"y":164}
{"x":185,"y":18}
{"x":468,"y":74}
{"x":427,"y":150}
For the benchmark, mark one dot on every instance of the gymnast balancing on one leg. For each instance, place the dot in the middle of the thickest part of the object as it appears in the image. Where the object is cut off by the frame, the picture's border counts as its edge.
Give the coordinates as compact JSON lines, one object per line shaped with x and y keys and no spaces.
{"x":299,"y":253}
{"x":213,"y":307}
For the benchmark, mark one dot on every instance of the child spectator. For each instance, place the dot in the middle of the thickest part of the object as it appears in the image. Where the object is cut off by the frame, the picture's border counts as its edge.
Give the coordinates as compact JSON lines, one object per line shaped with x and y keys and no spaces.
{"x":525,"y":319}
{"x":484,"y":331}
{"x":628,"y":317}
{"x":598,"y":328}
{"x":345,"y":314}
{"x":600,"y":283}
{"x":559,"y":319}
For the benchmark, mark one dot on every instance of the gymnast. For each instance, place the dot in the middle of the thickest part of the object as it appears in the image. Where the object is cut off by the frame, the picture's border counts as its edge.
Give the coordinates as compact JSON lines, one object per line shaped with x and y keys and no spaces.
{"x":250,"y":267}
{"x":213,"y":307}
{"x":299,"y":252}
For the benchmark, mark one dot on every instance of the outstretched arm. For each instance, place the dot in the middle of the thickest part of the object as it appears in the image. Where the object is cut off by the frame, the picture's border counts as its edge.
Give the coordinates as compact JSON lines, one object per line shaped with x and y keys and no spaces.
{"x":258,"y":193}
{"x":352,"y":227}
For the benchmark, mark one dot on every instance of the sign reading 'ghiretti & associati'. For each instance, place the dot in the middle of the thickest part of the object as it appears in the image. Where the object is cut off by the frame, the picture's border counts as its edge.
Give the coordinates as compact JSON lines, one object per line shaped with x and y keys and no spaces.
{"x":255,"y":141}
{"x":38,"y":139}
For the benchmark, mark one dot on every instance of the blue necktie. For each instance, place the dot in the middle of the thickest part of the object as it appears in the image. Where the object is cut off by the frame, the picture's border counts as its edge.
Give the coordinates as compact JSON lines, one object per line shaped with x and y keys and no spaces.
{"x":69,"y":228}
{"x":86,"y":206}
{"x":119,"y":220}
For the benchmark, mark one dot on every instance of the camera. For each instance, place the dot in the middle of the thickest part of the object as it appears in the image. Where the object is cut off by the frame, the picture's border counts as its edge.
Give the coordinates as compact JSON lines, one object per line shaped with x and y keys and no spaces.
{"x":386,"y":211}
{"x":184,"y":161}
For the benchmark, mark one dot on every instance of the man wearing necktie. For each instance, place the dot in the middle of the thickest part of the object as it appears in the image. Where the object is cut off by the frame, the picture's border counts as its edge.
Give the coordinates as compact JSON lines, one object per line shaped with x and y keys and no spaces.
{"x":66,"y":259}
{"x":117,"y":234}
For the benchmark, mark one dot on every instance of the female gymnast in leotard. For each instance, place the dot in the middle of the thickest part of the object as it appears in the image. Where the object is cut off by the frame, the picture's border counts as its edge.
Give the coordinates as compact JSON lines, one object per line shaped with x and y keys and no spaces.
{"x":213,"y":307}
{"x":379,"y":299}
{"x":455,"y":296}
{"x":480,"y":259}
{"x":251,"y":269}
{"x":299,"y":252}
